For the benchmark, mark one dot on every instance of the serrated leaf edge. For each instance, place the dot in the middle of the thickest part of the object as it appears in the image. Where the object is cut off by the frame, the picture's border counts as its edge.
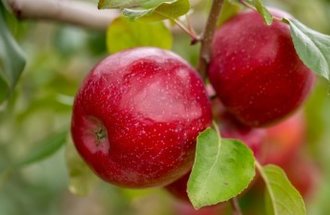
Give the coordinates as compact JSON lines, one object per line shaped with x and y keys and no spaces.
{"x":297,"y":23}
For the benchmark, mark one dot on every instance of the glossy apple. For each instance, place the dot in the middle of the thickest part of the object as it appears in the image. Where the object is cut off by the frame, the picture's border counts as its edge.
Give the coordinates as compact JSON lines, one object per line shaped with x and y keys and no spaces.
{"x":137,"y":115}
{"x":229,"y":128}
{"x":255,"y":70}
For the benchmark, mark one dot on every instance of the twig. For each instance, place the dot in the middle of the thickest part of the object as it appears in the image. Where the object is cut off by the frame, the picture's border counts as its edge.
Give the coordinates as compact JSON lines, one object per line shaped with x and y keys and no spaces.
{"x":235,"y":206}
{"x":188,"y":30}
{"x":246,"y":4}
{"x":206,"y":41}
{"x":72,"y":12}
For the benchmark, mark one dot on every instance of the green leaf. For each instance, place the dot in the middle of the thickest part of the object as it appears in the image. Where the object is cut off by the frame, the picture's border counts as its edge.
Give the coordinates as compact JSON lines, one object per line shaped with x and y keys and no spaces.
{"x":44,"y":149}
{"x":228,"y":10}
{"x":312,"y":47}
{"x":261,"y":8}
{"x":121,"y":4}
{"x":259,"y":5}
{"x":12,"y":60}
{"x":222,"y":169}
{"x":164,"y":11}
{"x":124,"y":34}
{"x":281,"y":197}
{"x":152,"y":10}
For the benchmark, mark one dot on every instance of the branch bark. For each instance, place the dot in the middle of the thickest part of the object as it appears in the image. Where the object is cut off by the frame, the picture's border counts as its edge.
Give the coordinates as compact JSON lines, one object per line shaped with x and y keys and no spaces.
{"x":206,"y":42}
{"x":75,"y":12}
{"x":68,"y":11}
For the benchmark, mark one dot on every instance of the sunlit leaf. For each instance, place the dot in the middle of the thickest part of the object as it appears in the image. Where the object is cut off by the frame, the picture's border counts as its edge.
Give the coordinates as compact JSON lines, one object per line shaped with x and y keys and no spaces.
{"x":151,"y":10}
{"x":222,"y":169}
{"x":12,"y":60}
{"x":228,"y":10}
{"x":164,"y":11}
{"x":261,"y":8}
{"x":124,"y":34}
{"x":259,"y":5}
{"x":281,"y":197}
{"x":312,"y":47}
{"x":121,"y":4}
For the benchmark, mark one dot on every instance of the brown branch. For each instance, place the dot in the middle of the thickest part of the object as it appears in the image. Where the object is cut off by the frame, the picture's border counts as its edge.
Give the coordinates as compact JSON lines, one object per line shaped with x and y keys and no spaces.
{"x":235,"y":206}
{"x":67,"y":11}
{"x":206,"y":42}
{"x":74,"y":12}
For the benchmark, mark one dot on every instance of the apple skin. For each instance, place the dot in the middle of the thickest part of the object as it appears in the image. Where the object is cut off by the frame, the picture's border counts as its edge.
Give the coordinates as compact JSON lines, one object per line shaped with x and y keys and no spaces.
{"x":255,"y":70}
{"x":253,"y":137}
{"x":304,"y":175}
{"x":283,"y":141}
{"x":137,"y":115}
{"x":181,"y":208}
{"x":179,"y":190}
{"x":231,"y":128}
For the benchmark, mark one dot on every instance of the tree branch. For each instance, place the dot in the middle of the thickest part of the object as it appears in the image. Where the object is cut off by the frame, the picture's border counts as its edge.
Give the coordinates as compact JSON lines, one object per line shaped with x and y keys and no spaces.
{"x":67,"y":11}
{"x":206,"y":42}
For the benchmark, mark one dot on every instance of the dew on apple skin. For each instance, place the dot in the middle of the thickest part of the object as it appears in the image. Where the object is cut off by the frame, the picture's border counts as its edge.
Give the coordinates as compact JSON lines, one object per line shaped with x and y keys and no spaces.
{"x":153,"y":139}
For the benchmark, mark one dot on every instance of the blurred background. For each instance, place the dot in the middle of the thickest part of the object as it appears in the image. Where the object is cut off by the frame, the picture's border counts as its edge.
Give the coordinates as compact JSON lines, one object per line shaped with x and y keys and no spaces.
{"x":38,"y":113}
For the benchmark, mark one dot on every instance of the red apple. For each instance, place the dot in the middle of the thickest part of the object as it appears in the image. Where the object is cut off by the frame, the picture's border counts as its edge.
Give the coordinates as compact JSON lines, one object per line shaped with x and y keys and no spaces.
{"x":182,"y":208}
{"x":179,"y":190}
{"x":283,"y":140}
{"x":255,"y":70}
{"x":137,"y":115}
{"x":303,"y":174}
{"x":233,"y":129}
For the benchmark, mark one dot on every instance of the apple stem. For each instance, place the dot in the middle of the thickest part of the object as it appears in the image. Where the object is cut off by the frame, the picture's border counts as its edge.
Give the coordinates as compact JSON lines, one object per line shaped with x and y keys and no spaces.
{"x":206,"y":40}
{"x":100,"y":134}
{"x":235,"y":205}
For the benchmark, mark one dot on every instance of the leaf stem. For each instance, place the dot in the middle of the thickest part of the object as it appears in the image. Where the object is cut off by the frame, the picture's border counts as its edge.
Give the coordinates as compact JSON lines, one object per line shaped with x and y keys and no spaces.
{"x":206,"y":41}
{"x":259,"y":168}
{"x":248,"y":5}
{"x":188,"y":30}
{"x":235,"y":206}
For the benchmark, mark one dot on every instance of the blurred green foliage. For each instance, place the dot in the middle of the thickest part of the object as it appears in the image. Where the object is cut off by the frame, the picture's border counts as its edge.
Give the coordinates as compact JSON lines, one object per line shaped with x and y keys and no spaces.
{"x":58,"y":57}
